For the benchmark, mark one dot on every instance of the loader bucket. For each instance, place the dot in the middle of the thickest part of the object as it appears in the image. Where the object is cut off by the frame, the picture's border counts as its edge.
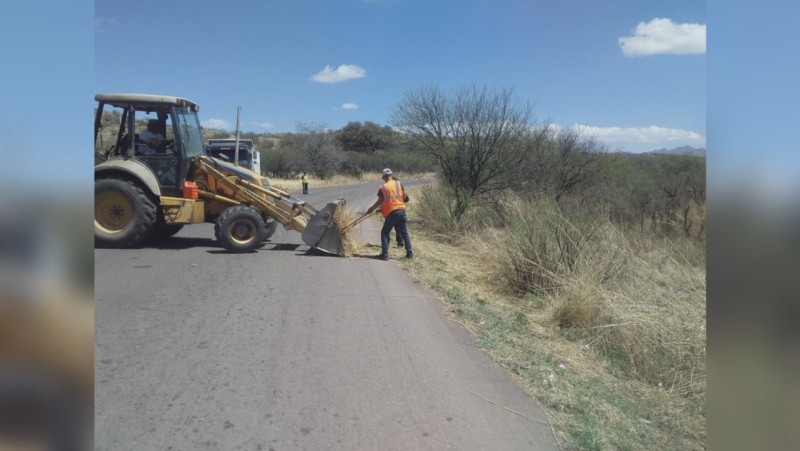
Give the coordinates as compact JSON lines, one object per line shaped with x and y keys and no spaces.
{"x":322,"y":232}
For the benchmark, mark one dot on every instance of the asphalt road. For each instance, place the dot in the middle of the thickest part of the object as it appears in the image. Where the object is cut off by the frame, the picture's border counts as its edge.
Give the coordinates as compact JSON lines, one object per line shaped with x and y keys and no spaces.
{"x":280,"y":349}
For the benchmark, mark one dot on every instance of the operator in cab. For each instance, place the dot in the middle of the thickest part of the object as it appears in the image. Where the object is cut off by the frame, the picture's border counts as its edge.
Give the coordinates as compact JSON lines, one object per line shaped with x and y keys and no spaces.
{"x":151,"y":137}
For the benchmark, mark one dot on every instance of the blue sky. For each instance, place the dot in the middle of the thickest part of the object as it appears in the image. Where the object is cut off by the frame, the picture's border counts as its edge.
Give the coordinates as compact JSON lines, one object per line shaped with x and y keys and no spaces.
{"x":631,"y":73}
{"x":566,"y":56}
{"x":754,"y":103}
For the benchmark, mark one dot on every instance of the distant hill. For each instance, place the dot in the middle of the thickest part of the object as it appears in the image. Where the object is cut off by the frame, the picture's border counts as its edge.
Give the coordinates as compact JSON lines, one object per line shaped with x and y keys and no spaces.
{"x":683,"y":150}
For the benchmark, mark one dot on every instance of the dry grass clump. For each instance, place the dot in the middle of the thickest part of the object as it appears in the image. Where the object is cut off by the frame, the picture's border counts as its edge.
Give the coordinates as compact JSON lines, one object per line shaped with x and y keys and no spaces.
{"x":438,"y":204}
{"x":581,"y":306}
{"x":640,"y":303}
{"x":653,"y":330}
{"x":656,"y":330}
{"x":540,"y":249}
{"x":343,"y":216}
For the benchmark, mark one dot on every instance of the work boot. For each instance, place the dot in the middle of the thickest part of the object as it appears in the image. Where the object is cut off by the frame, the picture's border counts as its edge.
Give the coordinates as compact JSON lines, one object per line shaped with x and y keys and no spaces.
{"x":383,"y":257}
{"x":409,"y":255}
{"x":399,"y":244}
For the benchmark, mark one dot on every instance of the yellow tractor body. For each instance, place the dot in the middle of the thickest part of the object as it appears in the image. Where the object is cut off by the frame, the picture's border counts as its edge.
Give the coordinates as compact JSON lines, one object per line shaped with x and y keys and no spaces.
{"x":144,"y":192}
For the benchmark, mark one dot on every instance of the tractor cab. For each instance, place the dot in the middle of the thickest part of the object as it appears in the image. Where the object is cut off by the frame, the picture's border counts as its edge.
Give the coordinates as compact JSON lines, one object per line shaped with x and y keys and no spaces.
{"x":162,"y":132}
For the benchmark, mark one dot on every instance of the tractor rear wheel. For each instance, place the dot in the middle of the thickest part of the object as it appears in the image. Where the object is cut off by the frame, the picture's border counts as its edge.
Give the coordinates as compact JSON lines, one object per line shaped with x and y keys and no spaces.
{"x":239,"y":229}
{"x":124,"y":215}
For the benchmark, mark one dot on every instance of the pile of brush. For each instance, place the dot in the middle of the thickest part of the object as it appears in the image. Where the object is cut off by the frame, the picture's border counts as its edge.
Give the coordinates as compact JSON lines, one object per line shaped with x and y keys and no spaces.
{"x":347,"y":220}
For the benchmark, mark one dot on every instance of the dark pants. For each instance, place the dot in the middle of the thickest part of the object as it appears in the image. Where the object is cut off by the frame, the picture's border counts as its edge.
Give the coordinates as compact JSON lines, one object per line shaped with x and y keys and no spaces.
{"x":397,"y":219}
{"x":305,"y":188}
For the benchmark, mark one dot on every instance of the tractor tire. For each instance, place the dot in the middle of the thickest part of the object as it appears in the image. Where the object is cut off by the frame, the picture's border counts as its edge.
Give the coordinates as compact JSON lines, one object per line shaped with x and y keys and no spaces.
{"x":239,"y":229}
{"x":124,"y":215}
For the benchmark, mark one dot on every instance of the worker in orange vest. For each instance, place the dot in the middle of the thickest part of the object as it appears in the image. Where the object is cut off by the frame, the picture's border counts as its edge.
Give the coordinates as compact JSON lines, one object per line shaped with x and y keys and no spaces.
{"x":392,"y":199}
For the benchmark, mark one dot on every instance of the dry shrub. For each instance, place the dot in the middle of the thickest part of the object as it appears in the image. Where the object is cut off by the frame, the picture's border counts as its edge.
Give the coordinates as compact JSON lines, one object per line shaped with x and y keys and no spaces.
{"x":437,"y":208}
{"x":649,"y":323}
{"x":435,"y":205}
{"x":693,"y":220}
{"x":638,"y":300}
{"x":661,"y":313}
{"x":687,"y":220}
{"x":540,"y":248}
{"x":582,"y":306}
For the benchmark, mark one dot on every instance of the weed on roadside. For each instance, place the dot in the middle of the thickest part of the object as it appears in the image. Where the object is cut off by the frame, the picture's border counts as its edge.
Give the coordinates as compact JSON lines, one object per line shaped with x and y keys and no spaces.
{"x":612,"y":345}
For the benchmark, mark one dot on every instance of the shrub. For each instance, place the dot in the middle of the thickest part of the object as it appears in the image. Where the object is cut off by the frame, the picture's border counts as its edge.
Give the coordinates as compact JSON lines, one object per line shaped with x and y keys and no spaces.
{"x":639,"y":299}
{"x":435,"y":207}
{"x":540,"y":246}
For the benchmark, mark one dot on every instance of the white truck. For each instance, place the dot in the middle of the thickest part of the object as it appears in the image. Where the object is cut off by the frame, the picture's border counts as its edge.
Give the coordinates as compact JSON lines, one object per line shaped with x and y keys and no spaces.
{"x":225,"y":149}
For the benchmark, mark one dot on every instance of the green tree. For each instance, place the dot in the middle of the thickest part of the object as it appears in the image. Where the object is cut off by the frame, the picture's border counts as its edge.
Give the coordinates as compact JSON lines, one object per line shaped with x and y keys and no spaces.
{"x":280,"y":162}
{"x":348,"y":136}
{"x":369,"y":137}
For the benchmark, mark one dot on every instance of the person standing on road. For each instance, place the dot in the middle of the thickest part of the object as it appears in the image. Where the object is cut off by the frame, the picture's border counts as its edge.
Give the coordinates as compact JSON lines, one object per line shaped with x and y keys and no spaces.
{"x":398,"y":235}
{"x":305,"y":183}
{"x":392,"y":200}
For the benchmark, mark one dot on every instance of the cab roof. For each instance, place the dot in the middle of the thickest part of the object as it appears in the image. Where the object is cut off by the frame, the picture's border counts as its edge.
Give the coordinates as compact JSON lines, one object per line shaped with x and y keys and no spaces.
{"x":143,"y":100}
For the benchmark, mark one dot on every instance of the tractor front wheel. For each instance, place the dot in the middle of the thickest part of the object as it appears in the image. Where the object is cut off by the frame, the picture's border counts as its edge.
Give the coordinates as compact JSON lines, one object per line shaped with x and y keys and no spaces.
{"x":239,"y":229}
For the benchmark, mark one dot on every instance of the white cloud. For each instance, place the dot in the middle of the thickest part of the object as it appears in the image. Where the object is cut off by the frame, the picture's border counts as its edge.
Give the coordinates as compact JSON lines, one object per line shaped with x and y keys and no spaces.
{"x":100,"y":24}
{"x":350,"y":106}
{"x":643,"y":139}
{"x":265,"y":125}
{"x":216,"y":123}
{"x":342,"y":73}
{"x":665,"y":36}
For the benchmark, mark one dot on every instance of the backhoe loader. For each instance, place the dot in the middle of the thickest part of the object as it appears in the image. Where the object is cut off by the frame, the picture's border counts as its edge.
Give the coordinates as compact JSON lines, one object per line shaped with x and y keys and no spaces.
{"x":150,"y":190}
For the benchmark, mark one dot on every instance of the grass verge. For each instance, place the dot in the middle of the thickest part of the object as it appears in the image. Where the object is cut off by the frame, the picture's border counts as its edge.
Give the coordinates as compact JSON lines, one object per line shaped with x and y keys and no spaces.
{"x":605,"y":330}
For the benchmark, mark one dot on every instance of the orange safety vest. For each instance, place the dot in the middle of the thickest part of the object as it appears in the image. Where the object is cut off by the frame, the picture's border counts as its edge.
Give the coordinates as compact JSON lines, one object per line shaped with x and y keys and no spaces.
{"x":393,"y":196}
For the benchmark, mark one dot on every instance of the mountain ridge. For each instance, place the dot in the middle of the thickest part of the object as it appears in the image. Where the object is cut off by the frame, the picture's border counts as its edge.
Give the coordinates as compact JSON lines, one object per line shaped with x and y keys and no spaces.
{"x":682,"y":150}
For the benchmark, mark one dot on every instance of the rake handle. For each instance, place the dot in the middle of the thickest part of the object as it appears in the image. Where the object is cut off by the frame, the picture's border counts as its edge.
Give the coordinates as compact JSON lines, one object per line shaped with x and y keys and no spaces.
{"x":357,"y":221}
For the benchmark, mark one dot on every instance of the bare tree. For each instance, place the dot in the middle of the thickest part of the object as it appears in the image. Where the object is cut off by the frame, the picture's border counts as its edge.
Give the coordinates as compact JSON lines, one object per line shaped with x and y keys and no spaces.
{"x":477,"y":136}
{"x":581,"y":161}
{"x":564,"y":162}
{"x":319,"y":148}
